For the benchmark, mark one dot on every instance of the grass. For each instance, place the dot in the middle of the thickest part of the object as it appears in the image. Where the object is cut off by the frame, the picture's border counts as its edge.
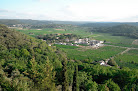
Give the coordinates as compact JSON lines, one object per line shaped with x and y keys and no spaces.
{"x":129,"y":59}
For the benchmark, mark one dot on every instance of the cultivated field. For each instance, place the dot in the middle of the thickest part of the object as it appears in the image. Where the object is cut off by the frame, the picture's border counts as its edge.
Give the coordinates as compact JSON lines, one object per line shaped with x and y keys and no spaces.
{"x":91,"y":54}
{"x":35,"y":32}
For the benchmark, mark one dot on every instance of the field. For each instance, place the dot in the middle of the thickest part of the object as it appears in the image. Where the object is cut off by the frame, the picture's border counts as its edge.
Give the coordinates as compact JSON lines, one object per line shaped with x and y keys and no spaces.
{"x":129,"y":59}
{"x":92,"y":54}
{"x":77,"y":31}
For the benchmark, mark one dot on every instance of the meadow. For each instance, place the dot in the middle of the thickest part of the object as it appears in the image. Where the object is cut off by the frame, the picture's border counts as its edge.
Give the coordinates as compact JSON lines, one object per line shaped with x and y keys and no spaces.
{"x":129,"y":59}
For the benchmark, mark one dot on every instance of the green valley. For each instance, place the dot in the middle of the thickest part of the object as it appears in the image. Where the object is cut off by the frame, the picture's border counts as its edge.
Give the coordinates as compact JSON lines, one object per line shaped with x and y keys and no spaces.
{"x":66,"y":58}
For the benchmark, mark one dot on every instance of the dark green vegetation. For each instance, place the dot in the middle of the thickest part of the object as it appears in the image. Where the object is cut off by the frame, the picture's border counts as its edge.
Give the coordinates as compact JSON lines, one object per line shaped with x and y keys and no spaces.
{"x":120,"y":30}
{"x":107,"y":24}
{"x":75,"y":86}
{"x":129,"y":59}
{"x":28,"y":64}
{"x":56,"y":38}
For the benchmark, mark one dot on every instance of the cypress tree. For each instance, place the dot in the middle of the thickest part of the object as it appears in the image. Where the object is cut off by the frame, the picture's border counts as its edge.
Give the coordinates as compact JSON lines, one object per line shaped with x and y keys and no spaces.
{"x":64,"y":76}
{"x":75,"y":86}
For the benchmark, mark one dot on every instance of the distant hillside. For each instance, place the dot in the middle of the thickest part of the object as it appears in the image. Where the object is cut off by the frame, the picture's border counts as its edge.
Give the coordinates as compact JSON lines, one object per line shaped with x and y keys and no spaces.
{"x":108,"y":24}
{"x":10,"y":22}
{"x":120,"y":30}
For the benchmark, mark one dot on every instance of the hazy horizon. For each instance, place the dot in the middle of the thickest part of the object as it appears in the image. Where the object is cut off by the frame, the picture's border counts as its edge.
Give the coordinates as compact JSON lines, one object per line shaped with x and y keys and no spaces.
{"x":71,"y":10}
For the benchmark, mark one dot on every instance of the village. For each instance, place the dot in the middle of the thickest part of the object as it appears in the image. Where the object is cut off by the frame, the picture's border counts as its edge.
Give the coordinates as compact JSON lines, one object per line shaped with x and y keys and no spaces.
{"x":85,"y":41}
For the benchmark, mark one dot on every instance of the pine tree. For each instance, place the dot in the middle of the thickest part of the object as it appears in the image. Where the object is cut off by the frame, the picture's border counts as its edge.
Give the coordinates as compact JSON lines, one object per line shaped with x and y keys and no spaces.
{"x":48,"y":76}
{"x":75,"y":86}
{"x":64,"y":76}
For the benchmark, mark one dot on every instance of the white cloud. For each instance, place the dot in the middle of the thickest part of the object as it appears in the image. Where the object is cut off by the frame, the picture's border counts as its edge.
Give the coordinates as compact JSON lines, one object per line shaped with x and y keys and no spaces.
{"x":107,"y":11}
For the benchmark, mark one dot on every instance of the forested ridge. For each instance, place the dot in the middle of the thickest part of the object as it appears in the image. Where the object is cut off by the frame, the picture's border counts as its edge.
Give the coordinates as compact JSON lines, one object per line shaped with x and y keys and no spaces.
{"x":29,"y":64}
{"x":120,"y":30}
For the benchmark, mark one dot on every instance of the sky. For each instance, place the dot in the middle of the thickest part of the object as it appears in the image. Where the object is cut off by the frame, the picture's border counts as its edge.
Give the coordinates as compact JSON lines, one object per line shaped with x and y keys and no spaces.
{"x":71,"y":10}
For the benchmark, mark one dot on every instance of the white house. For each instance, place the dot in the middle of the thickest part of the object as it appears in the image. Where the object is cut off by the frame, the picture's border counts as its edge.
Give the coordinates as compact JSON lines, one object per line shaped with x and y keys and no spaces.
{"x":102,"y":62}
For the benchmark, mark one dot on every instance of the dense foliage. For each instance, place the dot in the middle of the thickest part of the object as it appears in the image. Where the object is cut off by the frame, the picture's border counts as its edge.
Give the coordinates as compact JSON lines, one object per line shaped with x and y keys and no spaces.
{"x":58,"y":37}
{"x":128,"y":59}
{"x":27,"y":61}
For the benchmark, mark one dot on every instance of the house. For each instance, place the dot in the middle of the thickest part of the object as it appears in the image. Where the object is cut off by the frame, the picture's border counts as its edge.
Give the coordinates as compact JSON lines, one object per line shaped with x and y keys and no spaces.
{"x":101,"y":42}
{"x":63,"y":43}
{"x":102,"y":62}
{"x":75,"y":45}
{"x":70,"y":44}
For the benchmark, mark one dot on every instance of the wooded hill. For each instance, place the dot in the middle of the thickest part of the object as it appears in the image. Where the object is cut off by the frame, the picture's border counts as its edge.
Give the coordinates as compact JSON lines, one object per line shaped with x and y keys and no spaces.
{"x":120,"y":30}
{"x":108,"y":24}
{"x":27,"y":63}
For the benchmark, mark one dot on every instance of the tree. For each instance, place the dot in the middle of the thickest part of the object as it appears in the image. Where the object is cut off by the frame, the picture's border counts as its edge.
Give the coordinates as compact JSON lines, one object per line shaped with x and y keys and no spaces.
{"x":64,"y":76}
{"x":103,"y":87}
{"x":112,"y":86}
{"x":46,"y":82}
{"x":32,"y":69}
{"x":91,"y":86}
{"x":75,"y":86}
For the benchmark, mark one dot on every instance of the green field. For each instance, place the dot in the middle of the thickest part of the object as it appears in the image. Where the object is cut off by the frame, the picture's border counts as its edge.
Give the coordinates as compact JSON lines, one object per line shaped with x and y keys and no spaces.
{"x":77,"y":31}
{"x":129,"y":59}
{"x":92,"y":54}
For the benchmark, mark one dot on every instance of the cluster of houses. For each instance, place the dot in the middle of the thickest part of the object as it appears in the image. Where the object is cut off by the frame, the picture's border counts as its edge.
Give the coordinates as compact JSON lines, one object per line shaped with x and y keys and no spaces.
{"x":95,"y":43}
{"x":85,"y":41}
{"x":20,"y":26}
